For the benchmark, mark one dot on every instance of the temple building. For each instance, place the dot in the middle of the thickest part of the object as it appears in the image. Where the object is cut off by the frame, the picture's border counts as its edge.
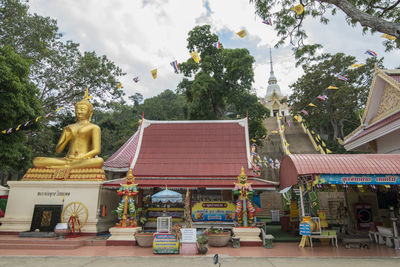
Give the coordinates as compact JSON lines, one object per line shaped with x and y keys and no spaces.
{"x":380,"y":125}
{"x":274,"y":100}
{"x":205,"y":157}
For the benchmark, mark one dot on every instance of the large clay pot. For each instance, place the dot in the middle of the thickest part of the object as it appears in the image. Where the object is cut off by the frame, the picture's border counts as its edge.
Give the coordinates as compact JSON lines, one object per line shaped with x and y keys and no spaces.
{"x":219,"y":239}
{"x":144,"y":239}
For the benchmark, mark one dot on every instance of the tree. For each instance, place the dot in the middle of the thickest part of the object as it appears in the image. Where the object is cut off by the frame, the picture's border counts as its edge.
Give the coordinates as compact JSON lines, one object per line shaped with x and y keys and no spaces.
{"x":59,"y":70}
{"x":18,"y":104}
{"x":220,"y":83}
{"x":165,"y":106}
{"x":382,"y":16}
{"x":339,"y":114}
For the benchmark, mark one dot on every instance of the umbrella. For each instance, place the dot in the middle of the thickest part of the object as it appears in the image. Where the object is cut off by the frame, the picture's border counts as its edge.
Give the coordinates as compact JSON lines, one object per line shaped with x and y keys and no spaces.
{"x":166,"y":196}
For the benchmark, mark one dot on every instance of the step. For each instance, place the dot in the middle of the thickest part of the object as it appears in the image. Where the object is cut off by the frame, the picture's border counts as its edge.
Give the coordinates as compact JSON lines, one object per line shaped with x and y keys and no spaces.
{"x":38,"y":246}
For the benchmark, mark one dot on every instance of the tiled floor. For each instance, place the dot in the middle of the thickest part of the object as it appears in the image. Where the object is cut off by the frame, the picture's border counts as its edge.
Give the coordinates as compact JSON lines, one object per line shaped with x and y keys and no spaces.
{"x":278,"y":250}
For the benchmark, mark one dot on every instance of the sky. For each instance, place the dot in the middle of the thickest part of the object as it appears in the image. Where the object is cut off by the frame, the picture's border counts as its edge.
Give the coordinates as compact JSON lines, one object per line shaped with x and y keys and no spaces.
{"x":141,"y":35}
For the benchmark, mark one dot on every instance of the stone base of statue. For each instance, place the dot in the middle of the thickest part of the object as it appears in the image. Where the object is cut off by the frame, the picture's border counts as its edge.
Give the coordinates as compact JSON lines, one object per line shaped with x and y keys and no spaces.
{"x":122,"y":236}
{"x":25,"y":197}
{"x":66,"y":174}
{"x":249,"y":236}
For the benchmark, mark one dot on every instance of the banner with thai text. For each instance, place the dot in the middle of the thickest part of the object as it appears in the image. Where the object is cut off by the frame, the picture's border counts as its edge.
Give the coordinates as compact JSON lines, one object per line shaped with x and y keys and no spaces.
{"x":377,"y":179}
{"x":213,"y":211}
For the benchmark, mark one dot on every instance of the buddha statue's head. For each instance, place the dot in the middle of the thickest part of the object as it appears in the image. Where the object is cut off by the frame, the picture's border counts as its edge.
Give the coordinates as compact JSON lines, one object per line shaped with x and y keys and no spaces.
{"x":84,"y":109}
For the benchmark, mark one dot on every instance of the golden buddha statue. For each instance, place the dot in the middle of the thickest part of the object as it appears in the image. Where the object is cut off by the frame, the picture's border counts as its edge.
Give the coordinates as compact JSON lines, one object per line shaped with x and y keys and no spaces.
{"x":84,"y":140}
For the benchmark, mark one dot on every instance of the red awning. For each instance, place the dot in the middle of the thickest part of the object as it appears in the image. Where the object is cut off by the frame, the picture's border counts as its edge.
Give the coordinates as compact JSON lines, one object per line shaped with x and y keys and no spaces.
{"x":295,"y":165}
{"x":190,"y":183}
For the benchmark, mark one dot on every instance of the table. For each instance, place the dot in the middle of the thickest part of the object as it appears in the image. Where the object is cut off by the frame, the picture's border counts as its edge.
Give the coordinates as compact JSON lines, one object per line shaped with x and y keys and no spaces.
{"x":333,"y":237}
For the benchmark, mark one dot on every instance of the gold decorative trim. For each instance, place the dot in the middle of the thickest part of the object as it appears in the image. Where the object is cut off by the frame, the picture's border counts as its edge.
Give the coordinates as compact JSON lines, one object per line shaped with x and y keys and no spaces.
{"x":47,"y":174}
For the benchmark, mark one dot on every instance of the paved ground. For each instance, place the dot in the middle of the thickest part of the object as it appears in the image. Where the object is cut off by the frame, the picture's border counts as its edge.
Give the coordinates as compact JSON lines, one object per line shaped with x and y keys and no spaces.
{"x":176,"y":261}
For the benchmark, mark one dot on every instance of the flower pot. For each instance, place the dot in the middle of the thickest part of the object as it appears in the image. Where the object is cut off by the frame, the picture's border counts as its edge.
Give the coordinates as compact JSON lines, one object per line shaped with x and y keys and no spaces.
{"x":144,"y":239}
{"x":219,"y":239}
{"x":202,"y":250}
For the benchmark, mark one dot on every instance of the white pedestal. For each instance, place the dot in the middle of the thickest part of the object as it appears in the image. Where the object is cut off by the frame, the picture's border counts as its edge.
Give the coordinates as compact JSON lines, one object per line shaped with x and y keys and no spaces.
{"x":248,"y":235}
{"x":123,"y":233}
{"x":24,"y":195}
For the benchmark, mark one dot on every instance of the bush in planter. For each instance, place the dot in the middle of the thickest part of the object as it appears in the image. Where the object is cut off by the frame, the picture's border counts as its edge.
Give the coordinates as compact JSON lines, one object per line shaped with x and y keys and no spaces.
{"x":217,"y":237}
{"x":202,"y":240}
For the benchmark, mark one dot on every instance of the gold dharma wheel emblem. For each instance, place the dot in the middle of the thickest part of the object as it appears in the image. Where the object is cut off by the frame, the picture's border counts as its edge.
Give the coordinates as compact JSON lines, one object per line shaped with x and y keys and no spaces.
{"x":76,"y":215}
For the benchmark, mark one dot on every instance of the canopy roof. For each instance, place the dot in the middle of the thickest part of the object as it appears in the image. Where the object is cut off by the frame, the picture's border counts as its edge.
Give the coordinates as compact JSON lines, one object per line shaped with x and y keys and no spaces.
{"x":295,"y":165}
{"x":185,"y":149}
{"x":166,"y":196}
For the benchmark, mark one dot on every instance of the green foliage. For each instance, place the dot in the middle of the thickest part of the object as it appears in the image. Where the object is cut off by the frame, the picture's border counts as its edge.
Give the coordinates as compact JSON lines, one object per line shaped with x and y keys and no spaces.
{"x":165,"y":106}
{"x":382,"y":16}
{"x":339,"y":115}
{"x":219,"y":86}
{"x":59,"y":70}
{"x":18,"y":103}
{"x":202,"y":240}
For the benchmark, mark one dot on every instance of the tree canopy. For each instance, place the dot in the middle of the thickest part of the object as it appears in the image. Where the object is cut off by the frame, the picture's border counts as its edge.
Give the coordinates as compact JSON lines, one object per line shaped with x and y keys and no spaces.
{"x":18,"y":103}
{"x":219,"y":86}
{"x":377,"y":15}
{"x":58,"y":69}
{"x":339,"y":114}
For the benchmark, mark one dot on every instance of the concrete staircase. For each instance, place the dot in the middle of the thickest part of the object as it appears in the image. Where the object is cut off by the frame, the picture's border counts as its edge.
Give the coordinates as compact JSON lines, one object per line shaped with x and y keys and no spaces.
{"x":299,"y":141}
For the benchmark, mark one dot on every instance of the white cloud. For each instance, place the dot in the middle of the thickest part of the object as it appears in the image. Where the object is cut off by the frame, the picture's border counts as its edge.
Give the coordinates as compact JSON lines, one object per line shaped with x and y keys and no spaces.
{"x":142,"y":35}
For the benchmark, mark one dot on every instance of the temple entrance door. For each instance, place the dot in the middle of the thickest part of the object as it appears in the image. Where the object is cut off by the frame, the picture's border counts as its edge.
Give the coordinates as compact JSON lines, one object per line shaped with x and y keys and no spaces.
{"x":276,"y":112}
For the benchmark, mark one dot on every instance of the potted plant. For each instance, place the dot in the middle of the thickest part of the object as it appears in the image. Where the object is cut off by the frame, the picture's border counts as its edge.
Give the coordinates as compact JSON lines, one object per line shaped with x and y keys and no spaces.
{"x":202,"y":241}
{"x":217,"y":237}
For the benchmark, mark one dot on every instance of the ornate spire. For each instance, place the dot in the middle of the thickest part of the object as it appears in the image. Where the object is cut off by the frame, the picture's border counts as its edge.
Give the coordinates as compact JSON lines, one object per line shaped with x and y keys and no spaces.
{"x":270,"y":58}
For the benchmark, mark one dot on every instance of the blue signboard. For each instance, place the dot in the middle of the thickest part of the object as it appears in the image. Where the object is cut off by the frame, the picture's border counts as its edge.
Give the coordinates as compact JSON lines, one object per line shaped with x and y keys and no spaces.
{"x":366,"y":179}
{"x":305,"y":229}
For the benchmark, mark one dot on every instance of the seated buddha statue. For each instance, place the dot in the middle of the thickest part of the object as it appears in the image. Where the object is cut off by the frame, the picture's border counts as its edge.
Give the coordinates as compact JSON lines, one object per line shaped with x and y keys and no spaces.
{"x":84,"y":140}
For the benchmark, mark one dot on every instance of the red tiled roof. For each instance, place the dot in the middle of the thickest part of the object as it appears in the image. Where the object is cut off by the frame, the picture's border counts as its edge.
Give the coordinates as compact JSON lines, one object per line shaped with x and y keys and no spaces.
{"x":307,"y":164}
{"x":395,"y":77}
{"x":185,"y":149}
{"x":122,"y":158}
{"x":188,"y":183}
{"x":374,"y":127}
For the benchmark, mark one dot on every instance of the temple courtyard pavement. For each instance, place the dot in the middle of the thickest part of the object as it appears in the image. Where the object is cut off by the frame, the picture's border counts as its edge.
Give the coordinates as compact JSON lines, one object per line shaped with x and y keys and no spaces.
{"x":96,"y":254}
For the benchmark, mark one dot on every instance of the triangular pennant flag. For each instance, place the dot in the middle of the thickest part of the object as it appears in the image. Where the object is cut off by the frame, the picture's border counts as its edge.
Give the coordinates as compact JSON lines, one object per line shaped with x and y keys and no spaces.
{"x":299,"y":9}
{"x":328,"y":151}
{"x":26,"y":123}
{"x":388,"y":36}
{"x":48,"y":115}
{"x":16,"y":129}
{"x":37,"y":118}
{"x":323,"y":143}
{"x":242,"y":33}
{"x":154,"y":73}
{"x":297,"y":118}
{"x":312,"y":105}
{"x":304,"y":111}
{"x":9,"y":131}
{"x":136,"y":79}
{"x":4,"y":131}
{"x":343,"y":78}
{"x":174,"y":64}
{"x":217,"y":45}
{"x":371,"y":53}
{"x":195,"y":56}
{"x":267,"y":21}
{"x":322,"y":97}
{"x":333,"y":87}
{"x":59,"y":109}
{"x":119,"y":85}
{"x":356,"y":65}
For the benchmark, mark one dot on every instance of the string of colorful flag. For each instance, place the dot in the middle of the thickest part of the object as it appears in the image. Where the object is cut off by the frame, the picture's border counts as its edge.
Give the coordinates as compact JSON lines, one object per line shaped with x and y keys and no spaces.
{"x":29,"y":122}
{"x":257,"y":162}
